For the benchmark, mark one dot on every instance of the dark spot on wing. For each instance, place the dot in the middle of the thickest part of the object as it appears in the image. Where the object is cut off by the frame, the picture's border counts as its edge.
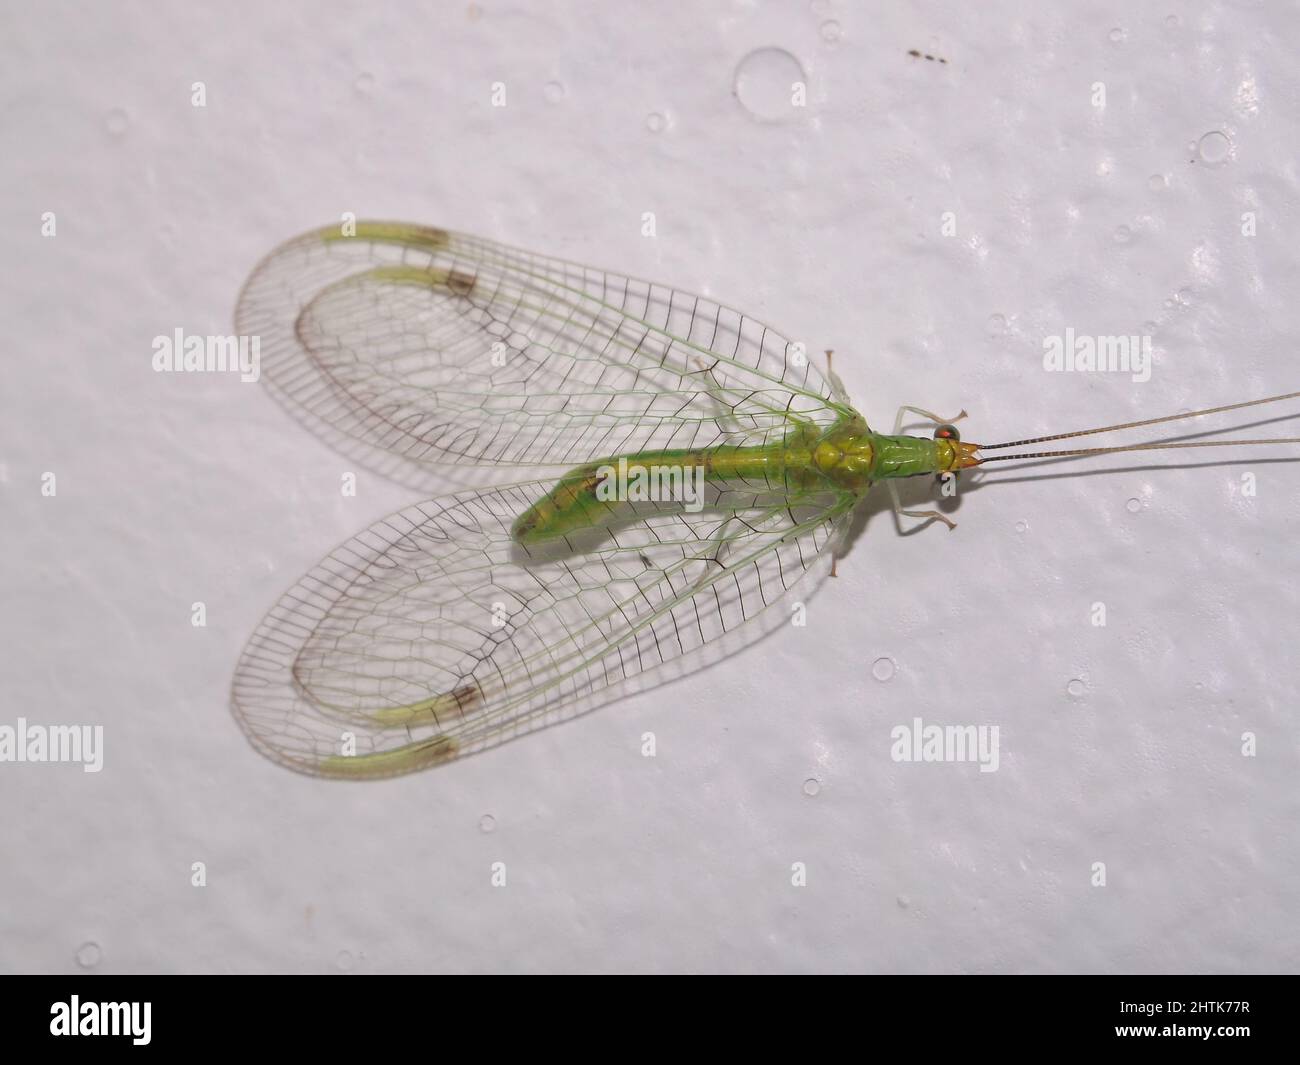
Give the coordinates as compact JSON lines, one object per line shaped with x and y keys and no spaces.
{"x":461,"y":284}
{"x":469,"y":699}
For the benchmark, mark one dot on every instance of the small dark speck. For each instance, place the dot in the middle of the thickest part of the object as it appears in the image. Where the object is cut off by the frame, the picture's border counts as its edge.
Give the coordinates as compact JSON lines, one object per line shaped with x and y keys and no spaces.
{"x":917,"y":54}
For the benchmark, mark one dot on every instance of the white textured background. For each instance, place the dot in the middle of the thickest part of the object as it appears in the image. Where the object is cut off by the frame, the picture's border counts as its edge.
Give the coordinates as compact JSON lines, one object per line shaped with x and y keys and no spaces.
{"x":826,"y":222}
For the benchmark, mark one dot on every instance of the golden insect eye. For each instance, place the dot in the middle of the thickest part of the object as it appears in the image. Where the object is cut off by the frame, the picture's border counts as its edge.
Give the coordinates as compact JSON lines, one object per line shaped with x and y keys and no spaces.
{"x":947,"y":432}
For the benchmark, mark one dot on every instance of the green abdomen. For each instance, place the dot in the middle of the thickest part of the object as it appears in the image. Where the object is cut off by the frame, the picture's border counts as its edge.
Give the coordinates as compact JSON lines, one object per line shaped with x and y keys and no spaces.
{"x":593,"y":495}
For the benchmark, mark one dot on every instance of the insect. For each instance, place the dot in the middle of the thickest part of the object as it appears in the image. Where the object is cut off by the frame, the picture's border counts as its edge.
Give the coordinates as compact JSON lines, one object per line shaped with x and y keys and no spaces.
{"x":700,"y":467}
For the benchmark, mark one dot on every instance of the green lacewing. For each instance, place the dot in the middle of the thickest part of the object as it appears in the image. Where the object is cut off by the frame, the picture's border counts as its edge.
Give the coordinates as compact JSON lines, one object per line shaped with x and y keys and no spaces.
{"x":689,"y":465}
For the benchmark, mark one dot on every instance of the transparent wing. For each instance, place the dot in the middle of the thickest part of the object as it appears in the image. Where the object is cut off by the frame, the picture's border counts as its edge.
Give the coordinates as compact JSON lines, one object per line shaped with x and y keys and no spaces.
{"x":432,"y":635}
{"x":408,"y":347}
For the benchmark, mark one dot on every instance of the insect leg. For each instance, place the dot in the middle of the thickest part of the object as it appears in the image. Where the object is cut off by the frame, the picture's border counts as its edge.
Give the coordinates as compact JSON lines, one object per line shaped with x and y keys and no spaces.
{"x":900,"y":512}
{"x":898,"y":422}
{"x":837,"y":386}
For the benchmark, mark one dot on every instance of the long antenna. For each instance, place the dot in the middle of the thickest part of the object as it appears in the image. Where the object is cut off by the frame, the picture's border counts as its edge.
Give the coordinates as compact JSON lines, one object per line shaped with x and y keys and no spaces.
{"x":1145,"y":421}
{"x":1132,"y":447}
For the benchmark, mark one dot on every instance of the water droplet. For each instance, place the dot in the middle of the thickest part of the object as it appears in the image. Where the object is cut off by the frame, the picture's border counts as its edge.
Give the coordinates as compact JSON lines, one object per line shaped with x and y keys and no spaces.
{"x":1123,"y":234}
{"x":1171,"y":22}
{"x":365,"y":83}
{"x":487,"y":823}
{"x":1133,"y":505}
{"x":1214,"y":148}
{"x":1157,"y":183}
{"x":554,"y":92}
{"x":1184,"y":297}
{"x":830,"y":31}
{"x":812,"y":786}
{"x":1149,"y":328}
{"x":1022,"y":526}
{"x":766,"y":83}
{"x":117,"y":122}
{"x":344,"y":961}
{"x":996,"y":325}
{"x":1075,"y":688}
{"x":883,"y":669}
{"x":1117,"y":35}
{"x":88,"y":955}
{"x":655,"y":122}
{"x":903,"y":902}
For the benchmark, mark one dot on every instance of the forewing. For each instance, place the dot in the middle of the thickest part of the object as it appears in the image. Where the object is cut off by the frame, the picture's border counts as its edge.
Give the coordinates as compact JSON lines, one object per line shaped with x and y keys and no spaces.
{"x":432,"y":635}
{"x":410,"y":347}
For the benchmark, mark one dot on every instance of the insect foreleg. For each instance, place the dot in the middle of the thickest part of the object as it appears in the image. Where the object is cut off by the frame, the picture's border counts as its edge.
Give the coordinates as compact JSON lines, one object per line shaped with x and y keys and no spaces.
{"x":898,"y":422}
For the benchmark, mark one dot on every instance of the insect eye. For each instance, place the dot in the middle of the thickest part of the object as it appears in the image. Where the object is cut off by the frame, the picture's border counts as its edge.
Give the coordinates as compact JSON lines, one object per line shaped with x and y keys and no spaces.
{"x":947,"y":432}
